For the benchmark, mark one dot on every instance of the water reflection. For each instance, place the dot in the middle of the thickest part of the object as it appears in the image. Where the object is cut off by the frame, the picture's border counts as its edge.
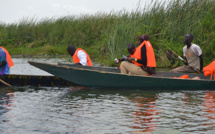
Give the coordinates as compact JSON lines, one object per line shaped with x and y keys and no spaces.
{"x":146,"y":114}
{"x":6,"y":100}
{"x":84,"y":110}
{"x":209,"y":108}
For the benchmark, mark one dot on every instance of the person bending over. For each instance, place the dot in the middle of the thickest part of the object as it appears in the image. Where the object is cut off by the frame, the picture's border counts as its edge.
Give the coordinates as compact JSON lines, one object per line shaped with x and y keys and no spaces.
{"x":79,"y":56}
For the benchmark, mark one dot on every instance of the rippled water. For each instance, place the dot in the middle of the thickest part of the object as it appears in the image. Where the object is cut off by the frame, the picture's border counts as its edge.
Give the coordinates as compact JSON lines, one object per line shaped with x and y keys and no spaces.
{"x":53,"y":110}
{"x":21,"y":65}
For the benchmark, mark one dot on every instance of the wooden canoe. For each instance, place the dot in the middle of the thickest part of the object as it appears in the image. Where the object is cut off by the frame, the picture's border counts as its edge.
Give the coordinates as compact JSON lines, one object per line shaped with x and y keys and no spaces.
{"x":111,"y":78}
{"x":33,"y":80}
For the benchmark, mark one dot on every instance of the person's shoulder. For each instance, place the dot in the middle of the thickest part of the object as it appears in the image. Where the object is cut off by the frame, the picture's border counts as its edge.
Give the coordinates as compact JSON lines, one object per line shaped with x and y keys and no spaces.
{"x":194,"y":45}
{"x":185,"y":47}
{"x":81,"y":52}
{"x":2,"y":51}
{"x":196,"y":49}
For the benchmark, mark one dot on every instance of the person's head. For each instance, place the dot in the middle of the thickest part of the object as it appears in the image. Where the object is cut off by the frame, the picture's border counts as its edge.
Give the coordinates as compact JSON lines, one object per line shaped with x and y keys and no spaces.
{"x":188,"y":38}
{"x":71,"y":49}
{"x":145,"y":37}
{"x":131,"y":48}
{"x":140,"y":40}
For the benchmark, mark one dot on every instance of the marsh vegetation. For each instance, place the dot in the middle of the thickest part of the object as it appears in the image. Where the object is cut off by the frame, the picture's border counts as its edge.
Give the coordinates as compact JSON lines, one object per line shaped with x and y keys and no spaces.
{"x":105,"y":35}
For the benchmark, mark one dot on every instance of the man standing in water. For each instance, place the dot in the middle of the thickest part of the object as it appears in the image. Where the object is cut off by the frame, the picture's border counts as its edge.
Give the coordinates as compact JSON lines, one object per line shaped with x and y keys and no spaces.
{"x":193,"y":56}
{"x":79,"y":56}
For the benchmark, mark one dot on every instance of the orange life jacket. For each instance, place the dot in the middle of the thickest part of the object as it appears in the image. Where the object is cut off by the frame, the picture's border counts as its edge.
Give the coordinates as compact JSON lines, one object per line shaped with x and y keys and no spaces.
{"x":151,"y":62}
{"x":9,"y":60}
{"x":77,"y":60}
{"x":183,"y":77}
{"x":210,"y":70}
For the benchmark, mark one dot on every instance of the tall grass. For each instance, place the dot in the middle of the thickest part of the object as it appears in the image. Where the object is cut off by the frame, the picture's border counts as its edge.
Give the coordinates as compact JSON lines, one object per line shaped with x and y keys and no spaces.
{"x":106,"y":35}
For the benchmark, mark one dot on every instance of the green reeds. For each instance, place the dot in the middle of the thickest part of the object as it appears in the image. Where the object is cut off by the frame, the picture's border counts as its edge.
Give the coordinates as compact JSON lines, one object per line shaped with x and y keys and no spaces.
{"x":106,"y":35}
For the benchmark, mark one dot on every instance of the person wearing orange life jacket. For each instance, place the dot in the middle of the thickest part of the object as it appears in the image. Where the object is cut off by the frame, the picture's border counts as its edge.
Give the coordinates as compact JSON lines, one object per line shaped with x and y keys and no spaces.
{"x":5,"y":61}
{"x":79,"y":56}
{"x":142,"y":62}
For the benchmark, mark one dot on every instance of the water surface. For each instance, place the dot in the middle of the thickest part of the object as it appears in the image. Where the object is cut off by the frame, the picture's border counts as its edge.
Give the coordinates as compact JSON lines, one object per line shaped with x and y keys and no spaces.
{"x":54,"y":110}
{"x":62,"y":110}
{"x":21,"y":65}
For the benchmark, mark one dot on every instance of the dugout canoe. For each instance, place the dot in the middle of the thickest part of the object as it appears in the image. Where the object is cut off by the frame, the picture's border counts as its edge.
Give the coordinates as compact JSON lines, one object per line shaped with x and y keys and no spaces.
{"x":99,"y":77}
{"x":34,"y":80}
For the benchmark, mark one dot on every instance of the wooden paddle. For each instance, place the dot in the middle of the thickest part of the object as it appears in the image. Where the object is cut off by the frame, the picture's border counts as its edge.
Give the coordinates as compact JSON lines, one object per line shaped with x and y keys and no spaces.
{"x":197,"y":70}
{"x":7,"y":84}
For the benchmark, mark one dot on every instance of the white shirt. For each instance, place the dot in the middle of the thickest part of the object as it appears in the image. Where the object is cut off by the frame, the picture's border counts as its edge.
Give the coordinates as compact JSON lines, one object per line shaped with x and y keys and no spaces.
{"x":82,"y":57}
{"x":195,"y":48}
{"x":192,"y":55}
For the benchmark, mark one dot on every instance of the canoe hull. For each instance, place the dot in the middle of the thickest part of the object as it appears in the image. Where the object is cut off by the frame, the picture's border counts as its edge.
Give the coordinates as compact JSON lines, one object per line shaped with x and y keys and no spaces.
{"x":34,"y":80}
{"x":101,"y":79}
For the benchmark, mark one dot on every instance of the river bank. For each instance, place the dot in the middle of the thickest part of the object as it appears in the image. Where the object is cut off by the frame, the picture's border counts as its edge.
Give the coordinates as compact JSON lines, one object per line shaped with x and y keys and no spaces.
{"x":105,"y":36}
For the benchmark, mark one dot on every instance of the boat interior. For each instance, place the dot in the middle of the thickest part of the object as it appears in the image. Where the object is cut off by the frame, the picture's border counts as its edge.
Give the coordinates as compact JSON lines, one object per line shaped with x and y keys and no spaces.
{"x":116,"y":70}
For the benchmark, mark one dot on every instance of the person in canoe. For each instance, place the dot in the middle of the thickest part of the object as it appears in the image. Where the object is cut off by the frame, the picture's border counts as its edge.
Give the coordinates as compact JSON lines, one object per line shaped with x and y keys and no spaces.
{"x":142,"y":62}
{"x":5,"y":61}
{"x":131,"y":49}
{"x":79,"y":56}
{"x":193,"y":56}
